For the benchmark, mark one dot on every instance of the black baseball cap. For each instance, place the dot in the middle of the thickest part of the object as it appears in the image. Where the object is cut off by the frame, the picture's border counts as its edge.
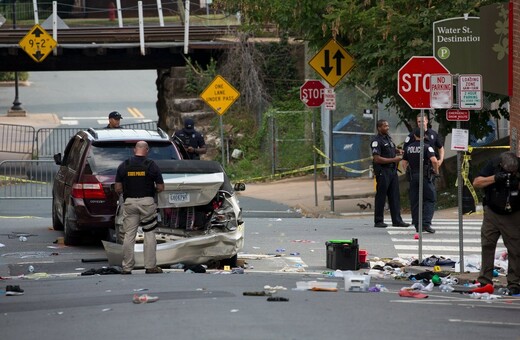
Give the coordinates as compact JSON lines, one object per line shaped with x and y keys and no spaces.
{"x":115,"y":115}
{"x":189,"y":123}
{"x":417,"y":132}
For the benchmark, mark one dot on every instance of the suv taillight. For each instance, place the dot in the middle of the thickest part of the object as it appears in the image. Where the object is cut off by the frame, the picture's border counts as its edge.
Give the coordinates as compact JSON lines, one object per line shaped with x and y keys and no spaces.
{"x":88,"y":191}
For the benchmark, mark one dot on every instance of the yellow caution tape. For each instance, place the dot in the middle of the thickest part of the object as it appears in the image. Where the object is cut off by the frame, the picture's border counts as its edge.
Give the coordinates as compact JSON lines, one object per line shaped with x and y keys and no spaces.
{"x":13,"y":180}
{"x":341,"y":165}
{"x":311,"y":167}
{"x":464,"y":171}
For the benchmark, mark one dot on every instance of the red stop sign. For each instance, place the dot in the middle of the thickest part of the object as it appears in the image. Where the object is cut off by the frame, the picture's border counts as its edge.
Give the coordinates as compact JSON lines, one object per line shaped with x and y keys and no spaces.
{"x":413,"y":80}
{"x":311,"y":93}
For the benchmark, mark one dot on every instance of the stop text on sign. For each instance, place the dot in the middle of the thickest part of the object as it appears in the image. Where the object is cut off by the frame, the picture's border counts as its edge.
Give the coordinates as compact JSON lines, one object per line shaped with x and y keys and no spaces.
{"x":311,"y":93}
{"x":415,"y":82}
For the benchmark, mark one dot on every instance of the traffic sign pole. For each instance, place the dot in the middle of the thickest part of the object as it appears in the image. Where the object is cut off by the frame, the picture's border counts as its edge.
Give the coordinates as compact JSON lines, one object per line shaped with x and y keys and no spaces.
{"x":413,"y":85}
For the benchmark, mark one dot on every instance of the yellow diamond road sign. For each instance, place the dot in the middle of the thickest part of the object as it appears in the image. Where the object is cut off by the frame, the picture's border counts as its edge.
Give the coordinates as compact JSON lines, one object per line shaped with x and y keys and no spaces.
{"x":220,"y":95}
{"x":332,"y":62}
{"x":37,"y":43}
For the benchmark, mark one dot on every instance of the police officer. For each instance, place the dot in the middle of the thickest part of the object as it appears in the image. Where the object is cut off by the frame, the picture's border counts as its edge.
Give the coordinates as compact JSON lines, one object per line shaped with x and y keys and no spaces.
{"x":385,"y":161}
{"x":412,"y":157}
{"x":433,"y":139}
{"x":193,"y":140}
{"x":138,"y":179}
{"x":500,"y":180}
{"x":114,"y":119}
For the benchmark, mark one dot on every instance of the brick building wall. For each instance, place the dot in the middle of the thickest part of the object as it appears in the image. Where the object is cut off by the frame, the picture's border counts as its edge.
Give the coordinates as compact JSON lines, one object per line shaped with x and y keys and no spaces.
{"x":515,"y":98}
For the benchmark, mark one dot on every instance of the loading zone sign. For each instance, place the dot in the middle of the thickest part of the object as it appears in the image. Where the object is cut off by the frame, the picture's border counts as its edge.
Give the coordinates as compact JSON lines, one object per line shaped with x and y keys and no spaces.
{"x":470,"y":91}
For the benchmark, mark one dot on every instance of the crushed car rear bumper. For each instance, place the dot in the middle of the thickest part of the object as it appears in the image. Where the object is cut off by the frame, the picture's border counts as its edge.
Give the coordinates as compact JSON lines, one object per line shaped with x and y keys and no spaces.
{"x":192,"y":250}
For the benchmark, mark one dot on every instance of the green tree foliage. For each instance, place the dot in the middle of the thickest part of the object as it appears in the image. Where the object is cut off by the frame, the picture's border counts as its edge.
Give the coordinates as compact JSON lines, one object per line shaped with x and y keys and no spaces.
{"x":381,"y":35}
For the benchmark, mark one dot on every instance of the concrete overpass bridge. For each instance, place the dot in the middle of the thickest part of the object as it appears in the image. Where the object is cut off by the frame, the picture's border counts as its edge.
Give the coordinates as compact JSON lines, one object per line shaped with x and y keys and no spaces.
{"x":116,"y":48}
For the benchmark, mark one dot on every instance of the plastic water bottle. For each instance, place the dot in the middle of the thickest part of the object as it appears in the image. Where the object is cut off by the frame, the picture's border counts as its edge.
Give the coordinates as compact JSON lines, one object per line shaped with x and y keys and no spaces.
{"x":30,"y":269}
{"x":22,"y":239}
{"x":446,"y":288}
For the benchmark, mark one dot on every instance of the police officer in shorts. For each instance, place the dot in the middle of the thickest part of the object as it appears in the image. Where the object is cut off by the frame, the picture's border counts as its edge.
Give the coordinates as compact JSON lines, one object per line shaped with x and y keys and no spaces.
{"x":500,"y":180}
{"x":412,"y":158}
{"x":138,"y":179}
{"x":385,"y":162}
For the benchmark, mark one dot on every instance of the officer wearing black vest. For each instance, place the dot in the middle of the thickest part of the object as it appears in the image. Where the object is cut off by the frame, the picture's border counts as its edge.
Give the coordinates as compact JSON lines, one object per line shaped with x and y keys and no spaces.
{"x":192,"y":140}
{"x":385,"y":161}
{"x":138,"y":179}
{"x":412,"y":159}
{"x":500,"y":180}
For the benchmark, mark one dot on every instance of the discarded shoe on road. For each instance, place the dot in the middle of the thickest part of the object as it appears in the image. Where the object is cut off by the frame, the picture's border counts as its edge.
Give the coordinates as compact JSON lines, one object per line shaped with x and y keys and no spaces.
{"x":13,"y":290}
{"x":155,"y":270}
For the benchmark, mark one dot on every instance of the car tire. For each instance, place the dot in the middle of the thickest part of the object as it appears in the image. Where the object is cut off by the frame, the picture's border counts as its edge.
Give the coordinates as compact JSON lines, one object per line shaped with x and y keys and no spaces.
{"x":56,"y":223}
{"x":71,"y":237}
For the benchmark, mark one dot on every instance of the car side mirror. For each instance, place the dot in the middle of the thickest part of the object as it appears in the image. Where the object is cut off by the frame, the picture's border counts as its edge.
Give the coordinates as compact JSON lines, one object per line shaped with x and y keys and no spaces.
{"x":57,"y":158}
{"x":239,"y":186}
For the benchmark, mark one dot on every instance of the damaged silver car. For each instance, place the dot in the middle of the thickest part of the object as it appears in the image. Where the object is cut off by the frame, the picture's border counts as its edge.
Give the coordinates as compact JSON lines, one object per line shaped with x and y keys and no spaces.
{"x":199,"y":219}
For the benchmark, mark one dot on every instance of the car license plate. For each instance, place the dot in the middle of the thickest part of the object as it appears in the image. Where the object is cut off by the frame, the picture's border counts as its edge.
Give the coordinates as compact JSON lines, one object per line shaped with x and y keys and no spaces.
{"x":179,"y":197}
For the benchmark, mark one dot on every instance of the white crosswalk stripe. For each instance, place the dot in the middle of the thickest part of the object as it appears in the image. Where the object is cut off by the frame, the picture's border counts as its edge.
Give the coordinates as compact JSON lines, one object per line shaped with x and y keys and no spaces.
{"x":445,"y":241}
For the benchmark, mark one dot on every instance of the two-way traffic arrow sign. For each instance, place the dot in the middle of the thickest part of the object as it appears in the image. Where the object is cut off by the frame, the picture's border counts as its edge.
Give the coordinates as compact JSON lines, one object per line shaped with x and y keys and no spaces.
{"x":332,"y":62}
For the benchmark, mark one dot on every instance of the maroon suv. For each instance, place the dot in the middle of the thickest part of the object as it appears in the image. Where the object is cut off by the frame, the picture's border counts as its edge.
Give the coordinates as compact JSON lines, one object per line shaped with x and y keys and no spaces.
{"x":83,"y":196}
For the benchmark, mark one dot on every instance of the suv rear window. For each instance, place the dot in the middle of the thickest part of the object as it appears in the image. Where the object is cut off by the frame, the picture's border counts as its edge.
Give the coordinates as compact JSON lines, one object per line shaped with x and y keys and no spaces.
{"x":104,"y":158}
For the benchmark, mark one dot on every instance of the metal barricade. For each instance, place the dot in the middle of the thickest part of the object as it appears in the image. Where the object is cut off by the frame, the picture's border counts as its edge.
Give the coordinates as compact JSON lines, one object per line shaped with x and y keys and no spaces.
{"x":50,"y":141}
{"x":17,"y":138}
{"x":140,"y":126}
{"x":27,"y":179}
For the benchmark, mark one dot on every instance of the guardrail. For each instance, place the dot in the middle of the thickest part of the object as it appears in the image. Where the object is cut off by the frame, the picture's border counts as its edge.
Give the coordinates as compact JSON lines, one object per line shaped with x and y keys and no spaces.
{"x":17,"y":138}
{"x":46,"y":142}
{"x":27,"y":179}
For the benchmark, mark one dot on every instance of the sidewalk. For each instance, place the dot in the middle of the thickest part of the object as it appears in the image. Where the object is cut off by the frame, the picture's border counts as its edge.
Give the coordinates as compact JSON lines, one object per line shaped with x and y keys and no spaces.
{"x":351,"y":197}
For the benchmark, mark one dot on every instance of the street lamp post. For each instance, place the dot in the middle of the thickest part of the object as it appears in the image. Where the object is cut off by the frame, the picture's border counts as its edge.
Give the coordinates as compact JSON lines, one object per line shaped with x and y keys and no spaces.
{"x":17,"y":108}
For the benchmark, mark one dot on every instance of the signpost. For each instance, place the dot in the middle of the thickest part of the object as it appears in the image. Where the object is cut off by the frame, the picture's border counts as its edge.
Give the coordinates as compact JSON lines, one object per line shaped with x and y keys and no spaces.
{"x":38,"y":44}
{"x":311,"y":93}
{"x":220,"y":95}
{"x":332,"y":62}
{"x":413,"y":85}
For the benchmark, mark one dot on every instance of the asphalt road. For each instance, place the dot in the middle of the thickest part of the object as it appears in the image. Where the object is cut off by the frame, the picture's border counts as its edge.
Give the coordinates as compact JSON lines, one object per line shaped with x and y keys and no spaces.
{"x":212,"y":306}
{"x":208,"y":306}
